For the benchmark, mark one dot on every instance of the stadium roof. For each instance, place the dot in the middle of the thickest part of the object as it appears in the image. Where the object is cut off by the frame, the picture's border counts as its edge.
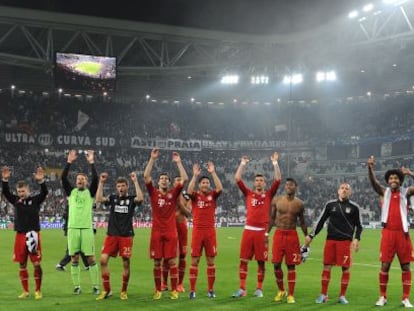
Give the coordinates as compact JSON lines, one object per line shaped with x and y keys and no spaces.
{"x":304,"y":35}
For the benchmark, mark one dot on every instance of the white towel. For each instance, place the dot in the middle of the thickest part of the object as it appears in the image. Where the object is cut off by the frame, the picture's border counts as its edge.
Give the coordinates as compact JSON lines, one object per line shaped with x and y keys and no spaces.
{"x":403,"y":207}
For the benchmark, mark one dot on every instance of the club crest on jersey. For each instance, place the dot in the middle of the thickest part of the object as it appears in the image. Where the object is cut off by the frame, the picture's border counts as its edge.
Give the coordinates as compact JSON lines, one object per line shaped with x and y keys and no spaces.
{"x":263,"y":195}
{"x":127,"y":202}
{"x":30,"y":202}
{"x":347,"y":210}
{"x":209,"y":198}
{"x":169,"y":196}
{"x":122,"y":202}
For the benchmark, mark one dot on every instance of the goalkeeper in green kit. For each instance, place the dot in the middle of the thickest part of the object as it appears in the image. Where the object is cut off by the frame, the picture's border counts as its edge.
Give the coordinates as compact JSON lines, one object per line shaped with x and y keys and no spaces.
{"x":80,"y":225}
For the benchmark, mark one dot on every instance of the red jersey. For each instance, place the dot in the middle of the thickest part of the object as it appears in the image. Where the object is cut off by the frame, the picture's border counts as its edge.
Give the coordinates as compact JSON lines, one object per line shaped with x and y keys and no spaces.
{"x":204,"y":209}
{"x":394,"y":215}
{"x":258,"y":205}
{"x":164,"y":207}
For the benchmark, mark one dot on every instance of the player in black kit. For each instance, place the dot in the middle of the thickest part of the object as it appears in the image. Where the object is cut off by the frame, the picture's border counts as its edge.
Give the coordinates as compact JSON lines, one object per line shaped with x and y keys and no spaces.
{"x":27,"y":227}
{"x":120,"y":232}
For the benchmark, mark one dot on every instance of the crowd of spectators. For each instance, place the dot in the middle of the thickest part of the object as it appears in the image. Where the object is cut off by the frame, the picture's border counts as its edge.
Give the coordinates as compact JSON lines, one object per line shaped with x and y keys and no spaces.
{"x":315,"y":124}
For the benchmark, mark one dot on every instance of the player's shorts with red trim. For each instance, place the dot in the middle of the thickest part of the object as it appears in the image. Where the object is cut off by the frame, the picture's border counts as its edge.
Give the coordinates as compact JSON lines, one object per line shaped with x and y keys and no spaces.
{"x":204,"y":239}
{"x":253,"y":243}
{"x":163,"y":245}
{"x":118,"y":245}
{"x":182,"y":231}
{"x":398,"y":243}
{"x":21,"y":252}
{"x":337,"y":253}
{"x":286,"y":244}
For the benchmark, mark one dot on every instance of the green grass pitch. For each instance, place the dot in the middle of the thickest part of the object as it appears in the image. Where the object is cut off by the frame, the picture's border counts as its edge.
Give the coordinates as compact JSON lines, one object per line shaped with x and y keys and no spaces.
{"x":57,"y":286}
{"x":89,"y":67}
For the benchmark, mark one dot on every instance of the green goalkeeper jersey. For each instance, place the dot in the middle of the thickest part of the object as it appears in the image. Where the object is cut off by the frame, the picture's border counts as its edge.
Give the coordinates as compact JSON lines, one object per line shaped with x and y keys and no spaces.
{"x":80,"y":209}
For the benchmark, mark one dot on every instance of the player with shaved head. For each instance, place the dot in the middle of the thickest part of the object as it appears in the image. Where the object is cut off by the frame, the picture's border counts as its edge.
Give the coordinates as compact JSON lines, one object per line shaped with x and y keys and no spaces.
{"x":343,"y":235}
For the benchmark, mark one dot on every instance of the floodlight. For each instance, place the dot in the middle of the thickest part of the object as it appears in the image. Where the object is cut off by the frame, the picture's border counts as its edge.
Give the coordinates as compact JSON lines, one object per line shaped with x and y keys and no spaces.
{"x":326,"y":76}
{"x":353,"y":14}
{"x":368,"y":7}
{"x":297,"y":78}
{"x":293,"y":79}
{"x":320,"y":76}
{"x":331,"y":76}
{"x":259,"y":79}
{"x":395,"y":2}
{"x":230,"y":79}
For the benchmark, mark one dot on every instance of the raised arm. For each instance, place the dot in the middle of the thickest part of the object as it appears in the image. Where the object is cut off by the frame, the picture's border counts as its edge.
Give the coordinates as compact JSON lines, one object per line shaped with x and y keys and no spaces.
{"x":217,"y":182}
{"x":275,"y":159}
{"x":99,"y":192}
{"x":407,"y":172}
{"x":90,"y":157}
{"x":374,"y":182}
{"x":139,"y":196}
{"x":243,"y":162}
{"x":39,"y":176}
{"x":148,"y":169}
{"x":193,"y":180}
{"x":72,"y":156}
{"x":5,"y":175}
{"x":181,"y":169}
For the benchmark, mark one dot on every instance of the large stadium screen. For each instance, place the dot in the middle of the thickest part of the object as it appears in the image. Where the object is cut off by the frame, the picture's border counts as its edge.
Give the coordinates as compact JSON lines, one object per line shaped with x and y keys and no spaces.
{"x":85,"y":72}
